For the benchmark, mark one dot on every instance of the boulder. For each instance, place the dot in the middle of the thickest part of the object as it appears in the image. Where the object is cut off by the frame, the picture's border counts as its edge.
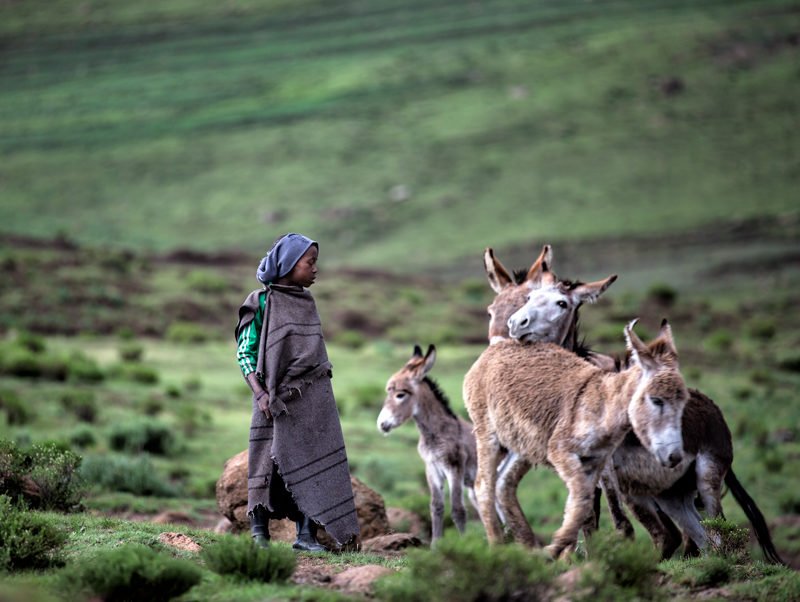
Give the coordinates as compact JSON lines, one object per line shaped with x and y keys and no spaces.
{"x":232,"y":503}
{"x":391,"y":543}
{"x":359,"y":579}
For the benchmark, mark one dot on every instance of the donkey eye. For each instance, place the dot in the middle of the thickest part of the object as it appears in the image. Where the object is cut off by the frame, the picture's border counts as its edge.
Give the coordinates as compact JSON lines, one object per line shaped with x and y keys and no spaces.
{"x":562,"y":304}
{"x":401,"y":396}
{"x":657,"y":401}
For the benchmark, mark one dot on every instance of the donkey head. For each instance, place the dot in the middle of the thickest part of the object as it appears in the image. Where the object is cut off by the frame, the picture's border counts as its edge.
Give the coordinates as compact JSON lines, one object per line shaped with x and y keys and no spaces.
{"x":512,"y":292}
{"x":402,"y":389}
{"x":656,"y":409}
{"x":550,"y":313}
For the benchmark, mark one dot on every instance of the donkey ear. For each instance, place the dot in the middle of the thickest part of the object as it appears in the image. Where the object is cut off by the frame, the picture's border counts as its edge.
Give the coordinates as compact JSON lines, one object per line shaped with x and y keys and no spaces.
{"x":430,"y":359}
{"x":666,"y":334}
{"x":497,"y":274}
{"x":591,"y":291}
{"x":540,"y":266}
{"x":639,"y":351}
{"x":417,"y":351}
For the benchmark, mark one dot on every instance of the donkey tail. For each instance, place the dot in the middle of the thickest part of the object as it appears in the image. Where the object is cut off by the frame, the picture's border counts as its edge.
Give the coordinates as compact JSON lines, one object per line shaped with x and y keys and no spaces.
{"x":756,"y":518}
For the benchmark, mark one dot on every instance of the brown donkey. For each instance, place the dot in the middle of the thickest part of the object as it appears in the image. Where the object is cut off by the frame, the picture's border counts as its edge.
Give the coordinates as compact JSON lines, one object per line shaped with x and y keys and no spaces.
{"x":511,"y":293}
{"x":649,"y":489}
{"x":446,"y":443}
{"x":551,"y":407}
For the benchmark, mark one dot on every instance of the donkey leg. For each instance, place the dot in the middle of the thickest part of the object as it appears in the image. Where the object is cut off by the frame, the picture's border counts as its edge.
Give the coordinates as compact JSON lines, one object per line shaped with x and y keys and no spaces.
{"x":436,"y":486}
{"x":455,"y":479}
{"x":665,"y":535}
{"x":681,"y":509}
{"x":610,"y":485}
{"x":511,"y":473}
{"x":710,"y":474}
{"x":485,"y":483}
{"x":581,"y":480}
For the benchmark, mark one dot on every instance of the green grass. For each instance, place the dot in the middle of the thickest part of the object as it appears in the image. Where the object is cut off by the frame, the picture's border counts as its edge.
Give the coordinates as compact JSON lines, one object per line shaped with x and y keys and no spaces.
{"x":200,"y":125}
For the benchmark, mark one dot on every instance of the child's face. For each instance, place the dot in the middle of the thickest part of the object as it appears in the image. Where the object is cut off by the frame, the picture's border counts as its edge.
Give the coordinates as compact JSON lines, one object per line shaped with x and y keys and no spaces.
{"x":304,"y":272}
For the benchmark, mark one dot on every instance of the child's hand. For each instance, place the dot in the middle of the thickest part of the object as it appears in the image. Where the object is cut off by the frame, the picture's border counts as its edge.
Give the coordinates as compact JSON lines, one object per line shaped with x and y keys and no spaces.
{"x":262,"y":399}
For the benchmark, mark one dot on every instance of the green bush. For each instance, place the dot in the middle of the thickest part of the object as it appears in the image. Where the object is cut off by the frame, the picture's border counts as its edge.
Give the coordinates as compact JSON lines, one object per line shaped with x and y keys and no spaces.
{"x":138,"y":373}
{"x":27,"y":540}
{"x":83,"y":437}
{"x":80,"y":403}
{"x":151,"y":406}
{"x":81,"y":368}
{"x":43,"y":477}
{"x":121,"y":473}
{"x":131,"y":352}
{"x":790,"y":362}
{"x":144,"y":436}
{"x":663,"y":294}
{"x":705,"y":571}
{"x":31,"y":342}
{"x":620,"y":569}
{"x":774,"y":588}
{"x":206,"y":282}
{"x":465,"y":569}
{"x":727,"y":540}
{"x":191,"y":420}
{"x":763,"y":329}
{"x":134,"y":572}
{"x":239,"y":557}
{"x":16,"y":411}
{"x":187,"y":332}
{"x":719,"y":340}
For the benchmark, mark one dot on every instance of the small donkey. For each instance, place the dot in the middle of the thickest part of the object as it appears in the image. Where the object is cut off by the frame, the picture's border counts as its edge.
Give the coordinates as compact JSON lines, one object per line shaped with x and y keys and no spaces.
{"x":550,"y":406}
{"x":446,"y":442}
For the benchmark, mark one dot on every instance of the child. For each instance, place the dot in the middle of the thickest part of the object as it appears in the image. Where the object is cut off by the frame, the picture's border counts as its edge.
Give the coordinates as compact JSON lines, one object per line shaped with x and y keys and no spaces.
{"x":297,"y":466}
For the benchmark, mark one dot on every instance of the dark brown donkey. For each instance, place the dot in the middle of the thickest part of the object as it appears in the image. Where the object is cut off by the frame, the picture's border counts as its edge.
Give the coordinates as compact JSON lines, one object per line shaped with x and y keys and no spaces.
{"x":650,"y":489}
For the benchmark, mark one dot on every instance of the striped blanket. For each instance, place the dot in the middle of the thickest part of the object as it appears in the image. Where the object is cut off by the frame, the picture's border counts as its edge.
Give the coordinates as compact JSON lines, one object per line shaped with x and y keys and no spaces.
{"x":304,"y":437}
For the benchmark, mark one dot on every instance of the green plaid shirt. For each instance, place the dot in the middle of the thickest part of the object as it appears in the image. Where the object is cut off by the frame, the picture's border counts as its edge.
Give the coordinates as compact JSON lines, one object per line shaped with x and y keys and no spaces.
{"x":247,"y":350}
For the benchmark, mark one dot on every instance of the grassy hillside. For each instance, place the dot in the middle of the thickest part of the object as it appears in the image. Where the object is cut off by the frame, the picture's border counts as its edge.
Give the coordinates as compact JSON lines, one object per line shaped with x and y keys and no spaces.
{"x":397,"y":133}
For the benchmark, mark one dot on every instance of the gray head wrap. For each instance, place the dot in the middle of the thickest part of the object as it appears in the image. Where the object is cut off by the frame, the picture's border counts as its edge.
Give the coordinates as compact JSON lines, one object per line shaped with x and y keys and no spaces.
{"x":282,"y":257}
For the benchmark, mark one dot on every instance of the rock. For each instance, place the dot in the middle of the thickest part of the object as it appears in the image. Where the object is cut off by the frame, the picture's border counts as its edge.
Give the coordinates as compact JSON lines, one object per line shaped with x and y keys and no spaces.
{"x":406,"y":521}
{"x":391,"y":543}
{"x":232,"y":503}
{"x":223,"y":526}
{"x":359,"y":579}
{"x":179,"y":541}
{"x":173,"y":517}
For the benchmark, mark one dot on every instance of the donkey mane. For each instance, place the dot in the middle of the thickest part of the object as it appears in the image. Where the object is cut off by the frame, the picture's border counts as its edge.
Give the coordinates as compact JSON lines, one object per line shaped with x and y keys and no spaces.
{"x":520,"y":276}
{"x":439,"y":395}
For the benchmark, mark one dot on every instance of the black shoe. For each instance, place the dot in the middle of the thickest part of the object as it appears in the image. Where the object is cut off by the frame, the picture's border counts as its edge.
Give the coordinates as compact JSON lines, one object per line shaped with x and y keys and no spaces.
{"x":307,"y":537}
{"x":259,"y":526}
{"x":262,"y":541}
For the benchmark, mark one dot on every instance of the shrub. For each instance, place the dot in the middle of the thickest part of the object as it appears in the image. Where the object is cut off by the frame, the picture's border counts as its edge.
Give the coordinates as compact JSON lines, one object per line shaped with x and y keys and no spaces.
{"x":726,"y":539}
{"x":138,"y":373}
{"x":187,"y":332}
{"x":55,"y":472}
{"x":83,"y":437}
{"x":206,"y":282}
{"x":144,"y":435}
{"x":81,"y":368}
{"x":135,"y":572}
{"x":31,"y":342}
{"x":663,"y":294}
{"x":464,"y":568}
{"x":151,"y":406}
{"x":17,"y":413}
{"x":783,"y":586}
{"x":351,"y":339}
{"x":44,"y":477}
{"x":191,"y":419}
{"x":790,"y":363}
{"x":239,"y":557}
{"x":705,"y":571}
{"x":620,"y":568}
{"x":27,"y":540}
{"x":131,"y":352}
{"x":763,"y":329}
{"x":121,"y":473}
{"x":22,"y":363}
{"x":193,"y":384}
{"x":80,"y":403}
{"x":719,"y":340}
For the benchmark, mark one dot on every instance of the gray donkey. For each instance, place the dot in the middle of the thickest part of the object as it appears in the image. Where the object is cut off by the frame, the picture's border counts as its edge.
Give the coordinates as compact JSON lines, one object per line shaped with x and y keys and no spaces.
{"x":446,"y":443}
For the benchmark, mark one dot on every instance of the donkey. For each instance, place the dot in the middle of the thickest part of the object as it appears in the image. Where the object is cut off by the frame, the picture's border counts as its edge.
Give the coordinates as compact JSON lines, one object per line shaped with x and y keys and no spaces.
{"x":446,"y":443}
{"x":648,"y":488}
{"x":552,"y":407}
{"x":511,"y":292}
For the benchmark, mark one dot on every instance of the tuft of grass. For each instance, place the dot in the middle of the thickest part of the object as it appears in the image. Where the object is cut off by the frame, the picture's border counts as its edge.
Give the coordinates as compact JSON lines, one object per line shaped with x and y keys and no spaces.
{"x":28,"y":540}
{"x":240,"y":558}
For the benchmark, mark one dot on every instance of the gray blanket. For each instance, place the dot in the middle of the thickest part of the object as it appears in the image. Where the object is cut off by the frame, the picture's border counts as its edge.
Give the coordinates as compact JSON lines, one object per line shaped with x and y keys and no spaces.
{"x":304,"y":437}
